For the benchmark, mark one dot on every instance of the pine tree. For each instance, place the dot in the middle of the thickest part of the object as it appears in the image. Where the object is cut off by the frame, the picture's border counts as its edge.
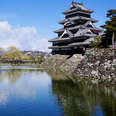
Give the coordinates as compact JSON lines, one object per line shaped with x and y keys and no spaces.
{"x":110,"y":28}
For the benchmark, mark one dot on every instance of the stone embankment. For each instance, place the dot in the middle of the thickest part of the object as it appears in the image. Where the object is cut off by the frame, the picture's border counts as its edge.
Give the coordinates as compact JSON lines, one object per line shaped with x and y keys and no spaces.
{"x":100,"y":63}
{"x":97,"y":63}
{"x":62,"y":62}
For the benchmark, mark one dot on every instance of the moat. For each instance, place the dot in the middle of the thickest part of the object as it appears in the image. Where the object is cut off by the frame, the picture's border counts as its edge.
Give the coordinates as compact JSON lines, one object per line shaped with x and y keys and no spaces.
{"x":28,"y":91}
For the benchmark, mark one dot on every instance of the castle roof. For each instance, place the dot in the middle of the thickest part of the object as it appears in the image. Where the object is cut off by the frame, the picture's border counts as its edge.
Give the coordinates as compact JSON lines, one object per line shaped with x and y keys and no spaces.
{"x":77,"y":27}
{"x":78,"y":31}
{"x":86,"y":42}
{"x":75,"y":6}
{"x":77,"y":18}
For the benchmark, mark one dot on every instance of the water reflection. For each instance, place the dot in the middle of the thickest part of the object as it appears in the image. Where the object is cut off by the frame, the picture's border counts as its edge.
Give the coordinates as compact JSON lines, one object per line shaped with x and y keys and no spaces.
{"x":21,"y":83}
{"x":32,"y":92}
{"x":4,"y":97}
{"x":83,"y":99}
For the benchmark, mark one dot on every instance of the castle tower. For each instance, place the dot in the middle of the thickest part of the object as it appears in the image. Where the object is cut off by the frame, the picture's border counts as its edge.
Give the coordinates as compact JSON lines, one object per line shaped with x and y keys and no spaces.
{"x":77,"y":32}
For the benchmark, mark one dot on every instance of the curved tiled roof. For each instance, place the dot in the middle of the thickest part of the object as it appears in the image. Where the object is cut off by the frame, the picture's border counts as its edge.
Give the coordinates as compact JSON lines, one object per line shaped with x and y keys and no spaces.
{"x":77,"y":6}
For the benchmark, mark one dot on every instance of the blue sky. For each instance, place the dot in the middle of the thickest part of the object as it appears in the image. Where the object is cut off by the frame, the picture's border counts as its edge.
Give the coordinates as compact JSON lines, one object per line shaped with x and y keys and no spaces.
{"x":40,"y":18}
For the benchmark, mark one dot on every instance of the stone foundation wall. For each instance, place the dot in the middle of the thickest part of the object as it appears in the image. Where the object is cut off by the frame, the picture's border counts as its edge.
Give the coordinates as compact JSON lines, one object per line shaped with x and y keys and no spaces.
{"x":62,"y":63}
{"x":99,"y":63}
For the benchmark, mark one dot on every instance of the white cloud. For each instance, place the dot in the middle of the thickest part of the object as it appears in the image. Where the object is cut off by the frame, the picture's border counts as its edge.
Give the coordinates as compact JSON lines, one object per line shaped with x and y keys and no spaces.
{"x":24,"y":38}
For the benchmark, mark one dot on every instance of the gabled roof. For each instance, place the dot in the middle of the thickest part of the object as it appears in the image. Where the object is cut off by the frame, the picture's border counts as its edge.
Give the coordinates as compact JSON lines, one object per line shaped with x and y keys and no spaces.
{"x":66,"y":31}
{"x":77,"y":18}
{"x":70,"y":34}
{"x":61,"y":38}
{"x":78,"y":12}
{"x":89,"y":23}
{"x":77,"y":6}
{"x":86,"y":42}
{"x":84,"y":32}
{"x":77,"y":27}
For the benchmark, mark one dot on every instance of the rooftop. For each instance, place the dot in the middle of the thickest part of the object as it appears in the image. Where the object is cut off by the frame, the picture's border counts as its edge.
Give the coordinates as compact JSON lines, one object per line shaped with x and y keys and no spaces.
{"x":77,"y":18}
{"x":77,"y":6}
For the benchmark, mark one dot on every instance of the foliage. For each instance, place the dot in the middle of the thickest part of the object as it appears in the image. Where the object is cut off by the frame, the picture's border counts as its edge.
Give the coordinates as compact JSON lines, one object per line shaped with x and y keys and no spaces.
{"x":110,"y":28}
{"x":12,"y":48}
{"x":97,"y":42}
{"x":14,"y":56}
{"x":25,"y":57}
{"x":1,"y":52}
{"x":39,"y":59}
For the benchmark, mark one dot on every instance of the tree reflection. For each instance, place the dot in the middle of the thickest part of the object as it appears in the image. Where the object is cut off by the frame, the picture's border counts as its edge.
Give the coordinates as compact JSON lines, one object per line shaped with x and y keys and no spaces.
{"x":83,"y":99}
{"x":73,"y":99}
{"x":57,"y":75}
{"x":13,"y":75}
{"x":20,"y":83}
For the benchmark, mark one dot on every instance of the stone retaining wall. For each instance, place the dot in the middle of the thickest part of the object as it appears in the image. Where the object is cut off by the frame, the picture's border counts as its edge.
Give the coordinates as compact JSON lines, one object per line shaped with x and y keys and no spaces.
{"x":99,"y":63}
{"x":62,"y":63}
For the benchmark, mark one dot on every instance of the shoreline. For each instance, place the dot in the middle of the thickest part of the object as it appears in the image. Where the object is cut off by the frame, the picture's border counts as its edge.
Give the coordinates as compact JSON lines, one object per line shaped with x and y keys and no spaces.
{"x":97,"y":66}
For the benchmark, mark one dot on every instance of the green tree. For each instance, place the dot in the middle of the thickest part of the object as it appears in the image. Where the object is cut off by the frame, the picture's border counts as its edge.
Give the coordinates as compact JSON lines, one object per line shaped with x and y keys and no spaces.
{"x":97,"y":43}
{"x":25,"y":57}
{"x":110,"y":28}
{"x":38,"y":59}
{"x":13,"y":55}
{"x":2,"y":51}
{"x":12,"y":48}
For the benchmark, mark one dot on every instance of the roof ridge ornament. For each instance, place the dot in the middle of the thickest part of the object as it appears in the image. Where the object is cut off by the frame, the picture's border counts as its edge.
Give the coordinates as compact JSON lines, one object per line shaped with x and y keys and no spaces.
{"x":75,"y":1}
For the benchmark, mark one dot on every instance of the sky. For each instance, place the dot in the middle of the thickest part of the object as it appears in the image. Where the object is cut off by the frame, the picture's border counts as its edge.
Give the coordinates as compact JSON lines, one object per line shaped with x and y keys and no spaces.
{"x":29,"y":24}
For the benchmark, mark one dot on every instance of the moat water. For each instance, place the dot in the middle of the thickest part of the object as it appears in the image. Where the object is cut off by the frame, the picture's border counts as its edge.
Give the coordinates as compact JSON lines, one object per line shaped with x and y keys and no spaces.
{"x":27,"y":91}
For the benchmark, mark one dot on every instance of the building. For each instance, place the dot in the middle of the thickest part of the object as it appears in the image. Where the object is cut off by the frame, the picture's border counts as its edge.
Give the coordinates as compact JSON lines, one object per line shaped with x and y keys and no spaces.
{"x":35,"y":53}
{"x":77,"y":32}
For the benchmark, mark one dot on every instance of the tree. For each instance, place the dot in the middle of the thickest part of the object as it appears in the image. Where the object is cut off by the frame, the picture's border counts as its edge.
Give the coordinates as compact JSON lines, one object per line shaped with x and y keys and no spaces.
{"x":2,"y":51}
{"x":12,"y":48}
{"x":97,"y":43}
{"x":110,"y":27}
{"x":13,"y":55}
